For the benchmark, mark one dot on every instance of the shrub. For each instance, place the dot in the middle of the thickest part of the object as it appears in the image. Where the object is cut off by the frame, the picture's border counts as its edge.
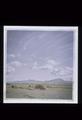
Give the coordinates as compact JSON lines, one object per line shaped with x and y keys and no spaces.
{"x":39,"y":86}
{"x":13,"y":86}
{"x":29,"y":86}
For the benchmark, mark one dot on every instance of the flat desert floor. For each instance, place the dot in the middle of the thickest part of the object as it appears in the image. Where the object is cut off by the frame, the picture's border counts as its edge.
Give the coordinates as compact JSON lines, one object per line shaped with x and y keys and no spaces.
{"x":38,"y":91}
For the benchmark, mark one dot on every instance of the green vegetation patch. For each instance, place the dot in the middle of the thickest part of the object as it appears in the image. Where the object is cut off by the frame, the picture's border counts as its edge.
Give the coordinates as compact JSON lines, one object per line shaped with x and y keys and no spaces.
{"x":39,"y":86}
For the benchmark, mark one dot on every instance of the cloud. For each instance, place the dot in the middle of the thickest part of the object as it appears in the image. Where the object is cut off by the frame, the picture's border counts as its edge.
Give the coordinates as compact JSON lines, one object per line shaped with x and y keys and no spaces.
{"x":63,"y":72}
{"x":55,"y":68}
{"x":16,"y":63}
{"x":52,"y":62}
{"x":12,"y":55}
{"x":48,"y":65}
{"x":10,"y":69}
{"x":12,"y":66}
{"x":35,"y":66}
{"x":24,"y":64}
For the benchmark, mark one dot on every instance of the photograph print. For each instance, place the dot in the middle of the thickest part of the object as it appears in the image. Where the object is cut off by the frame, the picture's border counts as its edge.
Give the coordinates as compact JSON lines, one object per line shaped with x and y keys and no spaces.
{"x":40,"y":64}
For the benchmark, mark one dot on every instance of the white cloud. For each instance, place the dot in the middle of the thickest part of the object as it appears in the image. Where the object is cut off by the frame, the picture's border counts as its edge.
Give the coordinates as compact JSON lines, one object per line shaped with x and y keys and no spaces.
{"x":35,"y":66}
{"x":10,"y":69}
{"x":16,"y":63}
{"x":12,"y":66}
{"x":63,"y":72}
{"x":56,"y":69}
{"x":48,"y":65}
{"x":12,"y":56}
{"x":24,"y":64}
{"x":52,"y":62}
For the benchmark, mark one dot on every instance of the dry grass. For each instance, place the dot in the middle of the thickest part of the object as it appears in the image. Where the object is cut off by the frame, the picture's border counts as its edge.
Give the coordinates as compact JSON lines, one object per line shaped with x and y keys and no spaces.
{"x":48,"y":91}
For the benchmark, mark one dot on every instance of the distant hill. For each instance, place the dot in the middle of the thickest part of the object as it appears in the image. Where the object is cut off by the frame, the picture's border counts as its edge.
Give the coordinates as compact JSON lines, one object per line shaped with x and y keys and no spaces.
{"x":59,"y":81}
{"x":54,"y":81}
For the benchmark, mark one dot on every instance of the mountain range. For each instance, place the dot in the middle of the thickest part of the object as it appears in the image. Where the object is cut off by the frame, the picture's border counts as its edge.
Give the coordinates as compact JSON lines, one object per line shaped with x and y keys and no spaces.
{"x":53,"y":81}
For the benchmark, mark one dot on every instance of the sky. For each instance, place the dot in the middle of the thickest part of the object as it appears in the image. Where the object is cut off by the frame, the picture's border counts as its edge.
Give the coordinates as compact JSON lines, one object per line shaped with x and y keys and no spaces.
{"x":39,"y":55}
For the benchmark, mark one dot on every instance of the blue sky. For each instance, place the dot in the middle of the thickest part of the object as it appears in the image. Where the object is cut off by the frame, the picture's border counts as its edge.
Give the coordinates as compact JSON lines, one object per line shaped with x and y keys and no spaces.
{"x":39,"y":55}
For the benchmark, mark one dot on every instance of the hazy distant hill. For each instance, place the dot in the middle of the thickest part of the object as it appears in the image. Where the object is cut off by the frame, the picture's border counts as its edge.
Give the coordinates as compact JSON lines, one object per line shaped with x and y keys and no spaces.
{"x":59,"y":81}
{"x":54,"y":81}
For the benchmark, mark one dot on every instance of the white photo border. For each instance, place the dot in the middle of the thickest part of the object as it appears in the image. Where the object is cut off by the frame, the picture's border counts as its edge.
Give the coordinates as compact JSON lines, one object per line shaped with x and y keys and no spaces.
{"x":75,"y":64}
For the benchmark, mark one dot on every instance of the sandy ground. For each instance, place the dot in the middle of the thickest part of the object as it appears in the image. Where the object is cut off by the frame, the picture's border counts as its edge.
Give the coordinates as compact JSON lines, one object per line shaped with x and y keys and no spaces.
{"x":57,"y":92}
